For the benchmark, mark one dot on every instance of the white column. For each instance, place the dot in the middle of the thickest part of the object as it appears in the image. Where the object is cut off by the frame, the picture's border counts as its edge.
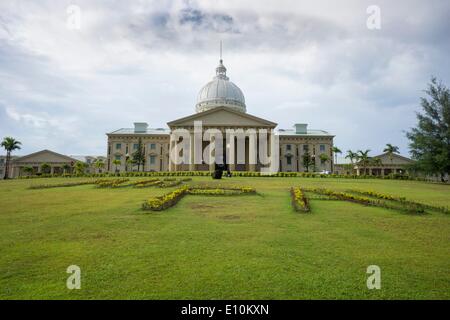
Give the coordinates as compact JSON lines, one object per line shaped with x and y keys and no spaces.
{"x":231,"y":153}
{"x":252,"y":152}
{"x":191,"y":152}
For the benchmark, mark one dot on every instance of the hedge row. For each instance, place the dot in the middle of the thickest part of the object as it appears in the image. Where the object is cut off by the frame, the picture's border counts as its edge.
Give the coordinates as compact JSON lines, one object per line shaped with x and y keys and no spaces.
{"x":234,"y":173}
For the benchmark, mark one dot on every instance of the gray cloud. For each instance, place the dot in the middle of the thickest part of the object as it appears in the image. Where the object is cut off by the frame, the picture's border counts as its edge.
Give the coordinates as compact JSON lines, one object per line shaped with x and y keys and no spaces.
{"x":296,"y":61}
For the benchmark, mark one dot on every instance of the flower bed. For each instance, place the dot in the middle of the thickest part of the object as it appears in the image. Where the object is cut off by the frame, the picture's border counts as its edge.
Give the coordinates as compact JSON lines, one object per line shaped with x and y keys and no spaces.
{"x":170,"y":199}
{"x":165,"y":201}
{"x":169,"y":184}
{"x":402,"y":200}
{"x":146,"y":183}
{"x":115,"y":183}
{"x":60,"y":185}
{"x":241,"y":189}
{"x":299,"y":200}
{"x":407,"y":207}
{"x":220,"y":192}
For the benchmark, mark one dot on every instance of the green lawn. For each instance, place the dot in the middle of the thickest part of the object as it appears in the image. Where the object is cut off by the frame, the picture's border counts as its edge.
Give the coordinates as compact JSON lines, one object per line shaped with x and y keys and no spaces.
{"x":241,"y":247}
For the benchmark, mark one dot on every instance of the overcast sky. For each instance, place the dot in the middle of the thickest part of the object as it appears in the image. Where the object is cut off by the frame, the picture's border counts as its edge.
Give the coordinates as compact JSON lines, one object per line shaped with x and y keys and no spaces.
{"x":312,"y":62}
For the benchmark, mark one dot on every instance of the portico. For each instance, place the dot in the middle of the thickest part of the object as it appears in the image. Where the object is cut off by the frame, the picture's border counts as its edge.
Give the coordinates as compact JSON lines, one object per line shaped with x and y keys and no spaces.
{"x":241,"y":136}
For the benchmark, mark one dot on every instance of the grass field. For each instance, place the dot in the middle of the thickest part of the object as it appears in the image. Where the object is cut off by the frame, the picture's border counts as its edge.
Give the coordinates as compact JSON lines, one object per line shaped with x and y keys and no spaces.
{"x":206,"y":247}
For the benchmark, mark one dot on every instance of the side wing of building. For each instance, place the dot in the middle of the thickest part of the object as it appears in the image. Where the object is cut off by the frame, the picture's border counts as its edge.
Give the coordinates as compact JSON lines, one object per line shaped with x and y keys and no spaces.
{"x":123,"y":143}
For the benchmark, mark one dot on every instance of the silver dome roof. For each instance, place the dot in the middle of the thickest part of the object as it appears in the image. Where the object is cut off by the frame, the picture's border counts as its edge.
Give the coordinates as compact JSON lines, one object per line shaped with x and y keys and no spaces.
{"x":220,"y":92}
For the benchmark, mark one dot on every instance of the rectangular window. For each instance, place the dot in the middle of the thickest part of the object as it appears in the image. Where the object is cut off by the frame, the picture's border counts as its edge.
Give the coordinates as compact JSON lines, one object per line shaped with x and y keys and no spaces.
{"x":118,"y":146}
{"x":152,"y":146}
{"x":289,"y":160}
{"x":2,"y":161}
{"x":305,"y":147}
{"x":117,"y":158}
{"x":152,"y":159}
{"x":322,"y":148}
{"x":288,"y":147}
{"x":135,"y":146}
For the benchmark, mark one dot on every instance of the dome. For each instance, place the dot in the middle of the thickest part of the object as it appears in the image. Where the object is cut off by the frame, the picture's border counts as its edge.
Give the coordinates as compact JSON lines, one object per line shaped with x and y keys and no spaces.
{"x":220,"y":92}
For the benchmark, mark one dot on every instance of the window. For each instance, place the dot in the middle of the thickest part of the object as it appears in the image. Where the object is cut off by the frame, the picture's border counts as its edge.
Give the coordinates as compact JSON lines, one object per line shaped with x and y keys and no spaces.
{"x":322,"y":148}
{"x":288,"y":147}
{"x":118,"y":146}
{"x":152,"y":146}
{"x":289,"y":160}
{"x":152,"y":159}
{"x":135,"y":146}
{"x":305,"y":147}
{"x":117,"y":158}
{"x":2,"y":161}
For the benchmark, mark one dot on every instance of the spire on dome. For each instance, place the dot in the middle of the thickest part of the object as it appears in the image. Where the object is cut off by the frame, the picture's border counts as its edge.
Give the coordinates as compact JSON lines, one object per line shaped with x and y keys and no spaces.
{"x":221,"y":71}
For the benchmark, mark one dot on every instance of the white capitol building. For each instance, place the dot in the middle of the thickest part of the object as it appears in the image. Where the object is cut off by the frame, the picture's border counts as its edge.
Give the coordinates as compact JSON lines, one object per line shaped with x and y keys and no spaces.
{"x":221,"y":106}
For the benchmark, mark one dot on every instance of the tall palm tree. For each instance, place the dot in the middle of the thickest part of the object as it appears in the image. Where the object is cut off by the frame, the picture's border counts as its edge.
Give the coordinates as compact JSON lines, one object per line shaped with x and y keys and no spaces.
{"x":390,"y":150}
{"x":324,"y":158}
{"x":9,"y":144}
{"x":129,"y":163}
{"x":363,"y":157}
{"x":352,"y":156}
{"x":116,"y":163}
{"x":99,"y":164}
{"x":336,"y":150}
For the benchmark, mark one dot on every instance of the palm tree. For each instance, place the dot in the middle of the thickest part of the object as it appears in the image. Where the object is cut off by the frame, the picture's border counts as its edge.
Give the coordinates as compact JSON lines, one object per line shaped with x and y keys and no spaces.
{"x":130,"y":163}
{"x":9,"y":144}
{"x":324,"y":158}
{"x":390,"y":150}
{"x":99,"y":164}
{"x":116,"y":163}
{"x":352,"y":156}
{"x":363,"y":157}
{"x":336,"y":150}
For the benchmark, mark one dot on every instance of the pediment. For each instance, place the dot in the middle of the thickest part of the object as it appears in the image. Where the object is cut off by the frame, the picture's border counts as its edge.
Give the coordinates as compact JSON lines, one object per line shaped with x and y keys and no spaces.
{"x":222,"y":116}
{"x":45,"y":156}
